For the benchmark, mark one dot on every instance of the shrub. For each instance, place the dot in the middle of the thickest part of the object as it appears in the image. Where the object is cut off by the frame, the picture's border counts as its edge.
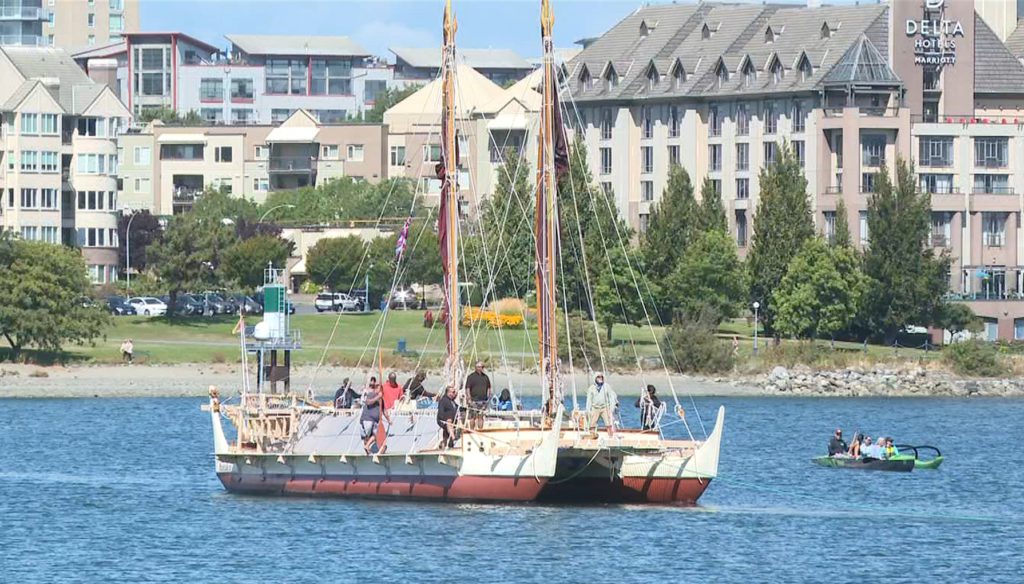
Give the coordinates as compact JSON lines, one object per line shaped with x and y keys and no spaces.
{"x":309,"y":287}
{"x":581,"y":341}
{"x":510,"y":306}
{"x":691,"y":346}
{"x":975,"y":358}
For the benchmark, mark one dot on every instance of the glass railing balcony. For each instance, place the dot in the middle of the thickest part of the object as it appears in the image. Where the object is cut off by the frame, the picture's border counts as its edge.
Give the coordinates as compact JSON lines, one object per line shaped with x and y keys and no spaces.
{"x":990,"y":162}
{"x":22,"y":13}
{"x":992,"y":190}
{"x":292,"y":163}
{"x":21,"y":40}
{"x":941,"y":161}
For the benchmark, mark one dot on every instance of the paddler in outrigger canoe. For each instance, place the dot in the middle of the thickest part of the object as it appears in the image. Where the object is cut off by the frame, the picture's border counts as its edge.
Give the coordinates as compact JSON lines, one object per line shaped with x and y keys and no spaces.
{"x":863,"y":455}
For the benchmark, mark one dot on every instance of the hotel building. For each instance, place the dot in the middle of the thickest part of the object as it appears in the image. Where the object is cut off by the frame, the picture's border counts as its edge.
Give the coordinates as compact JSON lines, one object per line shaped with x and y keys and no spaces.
{"x":58,"y":155}
{"x":717,"y":87}
{"x":69,"y":24}
{"x":165,"y":168}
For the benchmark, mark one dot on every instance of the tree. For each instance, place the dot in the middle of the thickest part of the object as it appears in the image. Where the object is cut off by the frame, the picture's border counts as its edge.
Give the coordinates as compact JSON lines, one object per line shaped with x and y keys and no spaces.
{"x":385,"y":100}
{"x":842,"y":236}
{"x":422,"y":254}
{"x":671,"y":225}
{"x":218,"y":205}
{"x":190,"y":253}
{"x":43,"y":287}
{"x":782,"y":224}
{"x":908,"y":281}
{"x":146,"y":229}
{"x":821,"y":291}
{"x":709,"y":275}
{"x":343,"y":263}
{"x":245,"y":261}
{"x":711,"y":214}
{"x":957,"y":317}
{"x":507,"y":232}
{"x":616,"y":298}
{"x":170,"y":116}
{"x":344,"y":199}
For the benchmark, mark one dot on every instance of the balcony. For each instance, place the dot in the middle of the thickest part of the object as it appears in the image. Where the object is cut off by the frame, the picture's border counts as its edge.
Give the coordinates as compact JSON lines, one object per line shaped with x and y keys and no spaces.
{"x":992,"y":190}
{"x":835,"y":190}
{"x":873,"y":160}
{"x":994,"y":239}
{"x":985,"y":296}
{"x":185,"y":194}
{"x":292,"y":164}
{"x":990,"y":163}
{"x":22,"y":13}
{"x":935,"y":161}
{"x":938,"y":240}
{"x":22,"y":40}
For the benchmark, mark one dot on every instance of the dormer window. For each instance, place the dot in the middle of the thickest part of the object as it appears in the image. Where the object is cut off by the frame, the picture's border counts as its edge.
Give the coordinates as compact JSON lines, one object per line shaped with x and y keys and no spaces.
{"x":806,"y":69}
{"x":586,"y":81}
{"x":769,"y":36}
{"x":706,"y":32}
{"x":611,"y":78}
{"x":778,"y":72}
{"x":644,"y":30}
{"x":749,"y":74}
{"x":653,"y":78}
{"x":826,"y":31}
{"x":722,"y":75}
{"x":678,"y":76}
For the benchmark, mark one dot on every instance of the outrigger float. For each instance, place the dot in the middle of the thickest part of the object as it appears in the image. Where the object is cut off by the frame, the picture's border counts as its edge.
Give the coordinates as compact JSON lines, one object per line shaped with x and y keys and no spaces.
{"x":280,"y":442}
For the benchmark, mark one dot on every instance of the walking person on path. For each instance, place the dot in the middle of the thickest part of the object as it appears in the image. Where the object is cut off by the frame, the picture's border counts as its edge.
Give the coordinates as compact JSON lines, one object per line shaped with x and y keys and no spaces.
{"x":127,"y":351}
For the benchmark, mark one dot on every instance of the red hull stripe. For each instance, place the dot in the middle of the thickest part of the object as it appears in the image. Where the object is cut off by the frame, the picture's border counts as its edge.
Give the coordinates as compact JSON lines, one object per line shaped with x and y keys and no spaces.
{"x":628,"y":490}
{"x":461,"y":488}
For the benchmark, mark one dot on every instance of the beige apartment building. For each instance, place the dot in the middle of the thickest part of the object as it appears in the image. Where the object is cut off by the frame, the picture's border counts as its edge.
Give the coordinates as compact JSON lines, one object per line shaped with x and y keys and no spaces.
{"x":58,"y":155}
{"x":77,"y":24}
{"x":165,"y":168}
{"x":717,"y":87}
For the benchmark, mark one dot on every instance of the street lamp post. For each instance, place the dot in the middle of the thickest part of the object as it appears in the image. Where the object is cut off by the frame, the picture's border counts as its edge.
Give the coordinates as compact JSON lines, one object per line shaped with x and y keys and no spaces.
{"x":756,"y":306}
{"x":288,"y":205}
{"x":128,"y":255}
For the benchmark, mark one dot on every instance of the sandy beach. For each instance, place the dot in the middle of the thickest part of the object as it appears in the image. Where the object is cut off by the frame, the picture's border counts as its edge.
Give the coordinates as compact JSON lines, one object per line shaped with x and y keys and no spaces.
{"x":106,"y":381}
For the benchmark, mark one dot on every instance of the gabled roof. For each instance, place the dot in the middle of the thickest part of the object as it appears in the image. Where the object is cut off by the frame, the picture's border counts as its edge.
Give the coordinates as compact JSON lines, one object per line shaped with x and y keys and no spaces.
{"x":315,"y":46}
{"x":862,"y":64}
{"x":474,"y":93}
{"x":996,"y":69}
{"x":107,"y":50}
{"x":1015,"y":42}
{"x":475,"y":58}
{"x":74,"y":90}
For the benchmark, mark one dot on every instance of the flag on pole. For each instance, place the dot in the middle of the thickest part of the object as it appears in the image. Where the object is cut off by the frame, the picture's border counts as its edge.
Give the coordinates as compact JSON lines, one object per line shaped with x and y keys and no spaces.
{"x":403,"y":239}
{"x":240,"y":325}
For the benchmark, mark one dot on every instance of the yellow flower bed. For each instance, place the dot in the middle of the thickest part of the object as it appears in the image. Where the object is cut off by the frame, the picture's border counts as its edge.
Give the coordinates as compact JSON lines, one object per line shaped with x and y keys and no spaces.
{"x":473,"y":315}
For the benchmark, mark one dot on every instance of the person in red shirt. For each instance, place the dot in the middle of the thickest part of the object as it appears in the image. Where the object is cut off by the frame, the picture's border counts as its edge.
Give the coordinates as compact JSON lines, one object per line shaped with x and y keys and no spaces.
{"x":392,"y":391}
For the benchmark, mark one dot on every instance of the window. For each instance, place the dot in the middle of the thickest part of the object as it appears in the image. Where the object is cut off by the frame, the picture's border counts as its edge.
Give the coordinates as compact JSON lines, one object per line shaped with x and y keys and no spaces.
{"x":260,"y":185}
{"x":115,"y":5}
{"x":106,"y":200}
{"x":29,"y":198}
{"x":647,"y":159}
{"x":937,"y":184}
{"x":935,"y":151}
{"x":806,"y":69}
{"x":397,"y":156}
{"x":721,"y":76}
{"x":769,"y":153}
{"x":990,"y":152}
{"x":241,"y":116}
{"x":48,"y":199}
{"x":994,"y":226}
{"x":29,"y":232}
{"x":606,"y":188}
{"x":830,"y":226}
{"x":606,"y":161}
{"x":286,"y":76}
{"x":355,"y":153}
{"x":715,"y":157}
{"x":799,"y":117}
{"x":211,"y":90}
{"x":49,"y":234}
{"x":673,"y":122}
{"x":749,"y":75}
{"x":741,"y":229}
{"x":611,"y":79}
{"x":742,"y":156}
{"x":673,"y":155}
{"x":653,"y":78}
{"x":606,"y":124}
{"x":743,"y":188}
{"x":678,"y":77}
{"x":862,"y":217}
{"x":90,"y":20}
{"x":115,"y":24}
{"x":431,"y":153}
{"x":50,"y":124}
{"x":29,"y":161}
{"x":800,"y":149}
{"x":778,"y":72}
{"x":331,"y":77}
{"x":714,"y":122}
{"x":941,"y":229}
{"x":867,"y":182}
{"x":10,"y":161}
{"x":644,"y":220}
{"x":261,"y":152}
{"x":372,"y":88}
{"x":771,"y":119}
{"x":142,"y":185}
{"x":330,"y":116}
{"x":329,"y":151}
{"x":873,"y":151}
{"x":212,"y":115}
{"x":29,"y":123}
{"x":586,"y":81}
{"x":182,"y":151}
{"x":647,"y":123}
{"x":993,"y":184}
{"x":92,"y":127}
{"x":646,"y":190}
{"x":242,"y":89}
{"x":49,"y":162}
{"x":716,"y":186}
{"x":742,"y":120}
{"x":278,"y":115}
{"x":222,"y":154}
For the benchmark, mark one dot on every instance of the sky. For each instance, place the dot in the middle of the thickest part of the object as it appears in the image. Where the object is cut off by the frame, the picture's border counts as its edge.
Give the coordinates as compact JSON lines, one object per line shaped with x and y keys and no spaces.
{"x":379,"y":24}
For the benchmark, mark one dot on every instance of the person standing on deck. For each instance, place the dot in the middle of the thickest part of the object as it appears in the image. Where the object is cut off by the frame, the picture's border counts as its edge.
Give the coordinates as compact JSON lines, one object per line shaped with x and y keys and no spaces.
{"x":601,"y":403}
{"x":478,"y":386}
{"x":447,"y":413}
{"x":414,"y":389}
{"x":369,"y":419}
{"x":649,"y":405}
{"x":392,"y":392}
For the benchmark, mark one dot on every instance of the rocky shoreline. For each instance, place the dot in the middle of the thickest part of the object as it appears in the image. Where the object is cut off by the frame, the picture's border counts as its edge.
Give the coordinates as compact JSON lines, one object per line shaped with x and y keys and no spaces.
{"x":880,"y":382}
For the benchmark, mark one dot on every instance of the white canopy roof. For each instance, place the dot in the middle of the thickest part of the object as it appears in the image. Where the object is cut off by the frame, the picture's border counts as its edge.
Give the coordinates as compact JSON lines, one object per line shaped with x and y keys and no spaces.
{"x":293,"y":134}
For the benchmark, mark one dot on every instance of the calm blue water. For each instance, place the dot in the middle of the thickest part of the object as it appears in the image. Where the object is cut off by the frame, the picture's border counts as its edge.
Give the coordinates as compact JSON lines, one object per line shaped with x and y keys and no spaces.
{"x":124,"y":490}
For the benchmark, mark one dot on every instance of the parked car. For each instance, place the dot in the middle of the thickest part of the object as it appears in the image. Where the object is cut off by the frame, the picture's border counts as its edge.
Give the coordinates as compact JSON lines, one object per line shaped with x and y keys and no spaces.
{"x":325,"y":301}
{"x":148,"y":305}
{"x":338,"y":302}
{"x":247,"y":304}
{"x":215,"y":303}
{"x":184,"y":305}
{"x":402,"y":300}
{"x":117,"y":306}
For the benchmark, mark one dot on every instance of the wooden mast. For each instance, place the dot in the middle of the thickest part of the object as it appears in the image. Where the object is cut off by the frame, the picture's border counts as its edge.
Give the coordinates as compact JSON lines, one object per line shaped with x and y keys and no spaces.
{"x":448,"y":226}
{"x":547,"y":223}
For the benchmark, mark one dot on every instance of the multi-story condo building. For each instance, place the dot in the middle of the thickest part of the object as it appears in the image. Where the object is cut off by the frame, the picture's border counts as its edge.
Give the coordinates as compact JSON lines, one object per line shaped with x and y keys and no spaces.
{"x":717,"y":88}
{"x":262,"y":79}
{"x":21,"y":22}
{"x":165,"y":168}
{"x":77,"y":24}
{"x":58,"y":174}
{"x":502,"y":66}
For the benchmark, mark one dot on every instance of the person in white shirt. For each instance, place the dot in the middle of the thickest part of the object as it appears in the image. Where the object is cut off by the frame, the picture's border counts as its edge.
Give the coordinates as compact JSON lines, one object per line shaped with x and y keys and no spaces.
{"x":601,"y":403}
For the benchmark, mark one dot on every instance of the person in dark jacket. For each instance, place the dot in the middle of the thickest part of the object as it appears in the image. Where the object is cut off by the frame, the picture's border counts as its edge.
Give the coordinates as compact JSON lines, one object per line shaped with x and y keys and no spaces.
{"x":346,"y":395}
{"x":837,"y":445}
{"x":447,"y":414}
{"x":414,"y":389}
{"x":649,"y":405}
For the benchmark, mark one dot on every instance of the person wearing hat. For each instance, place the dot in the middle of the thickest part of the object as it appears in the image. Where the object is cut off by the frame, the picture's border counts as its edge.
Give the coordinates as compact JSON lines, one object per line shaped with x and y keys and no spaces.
{"x":478,"y":386}
{"x":649,"y":405}
{"x":837,"y":445}
{"x":601,"y":403}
